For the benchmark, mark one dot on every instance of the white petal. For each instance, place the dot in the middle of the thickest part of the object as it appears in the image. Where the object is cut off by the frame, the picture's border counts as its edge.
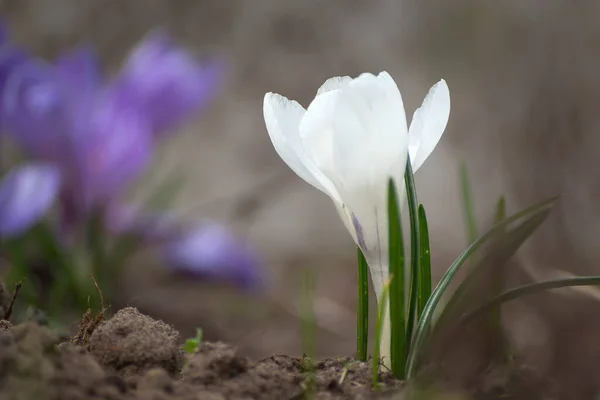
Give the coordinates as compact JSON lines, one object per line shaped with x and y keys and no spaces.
{"x":357,"y":136}
{"x":428,"y":124}
{"x":335,"y":83}
{"x":282,"y":118}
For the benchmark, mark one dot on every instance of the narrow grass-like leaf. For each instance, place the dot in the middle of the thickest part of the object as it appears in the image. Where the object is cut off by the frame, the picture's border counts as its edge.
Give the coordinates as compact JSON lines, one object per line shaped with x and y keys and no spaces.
{"x":63,"y":265}
{"x":426,"y":318}
{"x":500,"y":210}
{"x":381,"y":310}
{"x":362,"y":313}
{"x":495,"y":316}
{"x":529,"y":289}
{"x":14,"y":250}
{"x":493,"y":261}
{"x":505,"y":246}
{"x":424,"y":281}
{"x":415,"y":254}
{"x":469,"y":210}
{"x":397,"y":300}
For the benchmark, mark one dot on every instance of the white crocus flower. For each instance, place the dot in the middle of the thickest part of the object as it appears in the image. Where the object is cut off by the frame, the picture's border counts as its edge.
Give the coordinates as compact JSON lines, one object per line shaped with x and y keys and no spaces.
{"x":349,"y":142}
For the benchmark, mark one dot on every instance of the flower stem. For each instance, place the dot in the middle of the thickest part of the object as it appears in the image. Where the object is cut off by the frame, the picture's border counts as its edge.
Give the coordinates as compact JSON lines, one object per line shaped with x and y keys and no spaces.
{"x":381,"y":312}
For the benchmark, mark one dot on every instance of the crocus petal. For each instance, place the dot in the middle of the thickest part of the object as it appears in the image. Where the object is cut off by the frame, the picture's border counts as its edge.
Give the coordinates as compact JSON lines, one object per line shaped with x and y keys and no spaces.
{"x":428,"y":124}
{"x":357,"y":132}
{"x":335,"y":83}
{"x":33,"y":108}
{"x":10,"y":59}
{"x":282,"y":118}
{"x":26,"y":194}
{"x":357,"y":136}
{"x":79,"y":73}
{"x":114,"y":150}
{"x":212,"y":251}
{"x":79,"y":68}
{"x":166,"y":82}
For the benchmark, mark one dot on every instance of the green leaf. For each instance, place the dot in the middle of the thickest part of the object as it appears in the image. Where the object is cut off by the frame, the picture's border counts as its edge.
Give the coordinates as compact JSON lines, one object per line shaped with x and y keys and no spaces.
{"x":192,"y":344}
{"x":415,"y":253}
{"x":381,"y":309}
{"x":469,"y":210}
{"x":497,"y":276}
{"x":530,"y":213}
{"x":15,"y":252}
{"x":500,"y":210}
{"x":504,"y":247}
{"x":397,"y":299}
{"x":529,"y":289}
{"x":62,"y":262}
{"x":362,"y":315}
{"x":424,"y":264}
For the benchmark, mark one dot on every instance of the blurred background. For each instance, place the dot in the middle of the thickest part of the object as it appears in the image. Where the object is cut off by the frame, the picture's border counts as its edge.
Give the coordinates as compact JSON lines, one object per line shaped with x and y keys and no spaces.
{"x":525,"y":89}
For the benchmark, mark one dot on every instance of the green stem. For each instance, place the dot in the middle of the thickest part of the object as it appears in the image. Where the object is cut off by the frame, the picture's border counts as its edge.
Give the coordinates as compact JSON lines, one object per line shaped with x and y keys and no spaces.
{"x":362,"y":317}
{"x":378,"y":332}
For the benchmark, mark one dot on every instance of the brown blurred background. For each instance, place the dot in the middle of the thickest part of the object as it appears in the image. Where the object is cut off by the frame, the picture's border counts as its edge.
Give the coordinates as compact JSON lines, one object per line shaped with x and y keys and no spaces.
{"x":525,"y":88}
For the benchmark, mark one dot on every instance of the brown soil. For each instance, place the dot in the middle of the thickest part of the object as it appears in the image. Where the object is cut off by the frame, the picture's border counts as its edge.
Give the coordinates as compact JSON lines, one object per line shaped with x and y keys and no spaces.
{"x":132,"y":356}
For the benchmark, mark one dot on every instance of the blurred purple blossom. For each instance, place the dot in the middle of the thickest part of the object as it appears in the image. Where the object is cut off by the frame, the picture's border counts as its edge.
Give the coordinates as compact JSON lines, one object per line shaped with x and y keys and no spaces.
{"x":205,"y":249}
{"x":167,"y":83}
{"x":210,"y":249}
{"x":26,"y":194}
{"x":101,"y":134}
{"x":94,"y":137}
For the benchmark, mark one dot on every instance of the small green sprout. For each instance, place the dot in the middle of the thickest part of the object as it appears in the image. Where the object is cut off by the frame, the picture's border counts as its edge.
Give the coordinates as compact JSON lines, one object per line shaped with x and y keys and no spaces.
{"x":192,"y":344}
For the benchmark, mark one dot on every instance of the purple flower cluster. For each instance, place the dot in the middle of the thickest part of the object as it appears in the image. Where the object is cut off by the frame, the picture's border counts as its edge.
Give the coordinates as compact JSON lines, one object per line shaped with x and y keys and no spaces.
{"x":88,"y":138}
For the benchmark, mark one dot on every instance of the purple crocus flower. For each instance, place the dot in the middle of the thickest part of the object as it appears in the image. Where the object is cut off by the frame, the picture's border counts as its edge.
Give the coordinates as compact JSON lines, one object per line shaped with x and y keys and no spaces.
{"x":35,"y":111}
{"x":211,"y":250}
{"x":167,"y":83}
{"x":205,"y":249}
{"x":26,"y":194}
{"x":101,"y":134}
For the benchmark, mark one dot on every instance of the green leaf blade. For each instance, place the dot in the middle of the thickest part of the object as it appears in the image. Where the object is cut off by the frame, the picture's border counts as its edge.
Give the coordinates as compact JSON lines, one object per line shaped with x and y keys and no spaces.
{"x":530,"y":289}
{"x":424,"y":264}
{"x":540,"y":209}
{"x":396,"y":270}
{"x":362,"y":316}
{"x":415,"y":252}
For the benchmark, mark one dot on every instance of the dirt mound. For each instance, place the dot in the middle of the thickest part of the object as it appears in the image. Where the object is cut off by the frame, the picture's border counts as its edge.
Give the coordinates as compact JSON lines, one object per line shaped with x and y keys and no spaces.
{"x":132,"y":356}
